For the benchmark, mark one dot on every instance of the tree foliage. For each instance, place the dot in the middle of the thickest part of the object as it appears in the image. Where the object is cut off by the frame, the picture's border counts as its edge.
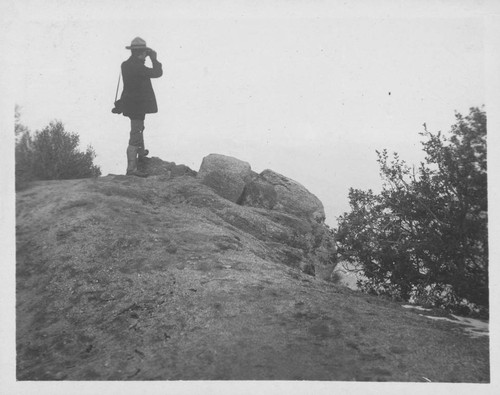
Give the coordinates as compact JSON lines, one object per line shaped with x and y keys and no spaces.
{"x":424,"y":236}
{"x":51,"y":154}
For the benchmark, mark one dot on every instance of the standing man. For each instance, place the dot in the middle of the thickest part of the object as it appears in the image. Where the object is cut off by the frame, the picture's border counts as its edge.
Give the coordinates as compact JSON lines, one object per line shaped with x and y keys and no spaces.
{"x":138,"y":98}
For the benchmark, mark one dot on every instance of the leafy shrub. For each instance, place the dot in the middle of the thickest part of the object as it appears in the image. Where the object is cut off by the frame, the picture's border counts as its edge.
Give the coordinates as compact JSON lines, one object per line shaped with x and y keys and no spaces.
{"x":425,"y":237}
{"x":51,"y":154}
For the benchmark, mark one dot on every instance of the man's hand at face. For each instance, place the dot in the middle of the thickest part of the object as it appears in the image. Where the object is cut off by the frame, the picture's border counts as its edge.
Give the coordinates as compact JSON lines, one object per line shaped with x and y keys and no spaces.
{"x":152,"y":54}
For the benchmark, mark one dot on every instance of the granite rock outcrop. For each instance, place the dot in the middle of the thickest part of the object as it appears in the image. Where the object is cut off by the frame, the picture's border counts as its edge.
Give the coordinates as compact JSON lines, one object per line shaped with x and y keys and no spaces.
{"x":278,"y":209}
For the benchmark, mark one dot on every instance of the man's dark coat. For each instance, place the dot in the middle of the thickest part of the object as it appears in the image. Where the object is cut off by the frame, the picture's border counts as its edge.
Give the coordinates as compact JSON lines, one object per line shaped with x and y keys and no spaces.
{"x":138,"y":96}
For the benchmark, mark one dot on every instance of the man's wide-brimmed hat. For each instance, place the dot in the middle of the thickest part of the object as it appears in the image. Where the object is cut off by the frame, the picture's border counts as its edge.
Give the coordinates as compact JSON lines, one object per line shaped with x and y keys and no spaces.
{"x":137,"y":43}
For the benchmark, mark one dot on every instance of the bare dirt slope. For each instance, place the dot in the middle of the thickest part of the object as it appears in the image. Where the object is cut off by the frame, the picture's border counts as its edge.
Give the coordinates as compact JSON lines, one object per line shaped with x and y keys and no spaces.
{"x":121,"y":278}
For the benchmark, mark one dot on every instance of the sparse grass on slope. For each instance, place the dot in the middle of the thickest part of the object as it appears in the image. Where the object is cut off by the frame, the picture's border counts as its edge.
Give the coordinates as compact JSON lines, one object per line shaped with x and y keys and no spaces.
{"x":132,"y":279}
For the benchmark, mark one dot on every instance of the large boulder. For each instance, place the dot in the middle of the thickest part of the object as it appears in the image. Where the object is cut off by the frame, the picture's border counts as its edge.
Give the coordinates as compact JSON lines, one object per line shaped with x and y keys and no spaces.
{"x":227,"y":176}
{"x":274,"y":191}
{"x":310,"y":244}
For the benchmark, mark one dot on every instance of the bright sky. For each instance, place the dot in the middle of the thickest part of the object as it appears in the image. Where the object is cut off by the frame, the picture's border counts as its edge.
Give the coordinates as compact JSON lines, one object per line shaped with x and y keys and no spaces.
{"x":308,"y":89}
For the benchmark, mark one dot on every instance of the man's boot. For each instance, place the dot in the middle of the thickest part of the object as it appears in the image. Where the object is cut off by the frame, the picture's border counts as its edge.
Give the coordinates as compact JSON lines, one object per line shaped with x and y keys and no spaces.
{"x":141,"y":157}
{"x":141,"y":152}
{"x":132,"y":162}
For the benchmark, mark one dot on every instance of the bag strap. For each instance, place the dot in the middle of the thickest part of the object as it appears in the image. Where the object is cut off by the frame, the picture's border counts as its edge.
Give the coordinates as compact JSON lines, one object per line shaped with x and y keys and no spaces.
{"x":118,"y":86}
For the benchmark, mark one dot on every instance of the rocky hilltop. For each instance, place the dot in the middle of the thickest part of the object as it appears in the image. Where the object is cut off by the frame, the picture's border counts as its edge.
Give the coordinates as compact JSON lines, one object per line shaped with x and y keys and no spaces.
{"x":210,"y":275}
